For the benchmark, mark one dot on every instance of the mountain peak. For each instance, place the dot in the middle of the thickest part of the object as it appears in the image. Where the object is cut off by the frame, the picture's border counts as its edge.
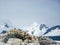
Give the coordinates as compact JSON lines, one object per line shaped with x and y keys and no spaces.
{"x":5,"y":25}
{"x":35,"y":24}
{"x":43,"y":26}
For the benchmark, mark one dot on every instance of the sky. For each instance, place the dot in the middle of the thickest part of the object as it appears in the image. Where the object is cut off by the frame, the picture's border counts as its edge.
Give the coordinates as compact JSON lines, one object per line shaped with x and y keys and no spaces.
{"x":25,"y":12}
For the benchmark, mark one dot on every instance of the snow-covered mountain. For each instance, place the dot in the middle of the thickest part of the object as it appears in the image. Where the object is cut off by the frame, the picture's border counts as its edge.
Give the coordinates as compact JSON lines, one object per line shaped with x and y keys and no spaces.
{"x":36,"y":29}
{"x":33,"y":29}
{"x":42,"y":30}
{"x":53,"y":31}
{"x":5,"y":26}
{"x":43,"y":26}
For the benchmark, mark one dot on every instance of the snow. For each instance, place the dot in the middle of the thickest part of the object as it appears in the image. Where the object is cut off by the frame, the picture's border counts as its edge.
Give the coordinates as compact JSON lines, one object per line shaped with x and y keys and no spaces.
{"x":4,"y":27}
{"x":55,"y":32}
{"x":35,"y":28}
{"x":31,"y":28}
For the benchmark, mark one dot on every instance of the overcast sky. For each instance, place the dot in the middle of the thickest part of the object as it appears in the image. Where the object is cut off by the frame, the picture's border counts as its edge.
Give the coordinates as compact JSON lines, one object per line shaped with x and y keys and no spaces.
{"x":25,"y":12}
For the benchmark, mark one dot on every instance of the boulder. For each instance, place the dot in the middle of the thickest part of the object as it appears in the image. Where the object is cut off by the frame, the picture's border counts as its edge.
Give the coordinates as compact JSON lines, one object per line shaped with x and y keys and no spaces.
{"x":14,"y":41}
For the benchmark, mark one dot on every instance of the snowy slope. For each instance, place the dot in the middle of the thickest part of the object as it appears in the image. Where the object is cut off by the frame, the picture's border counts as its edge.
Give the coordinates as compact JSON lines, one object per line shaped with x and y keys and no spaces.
{"x":31,"y":29}
{"x":5,"y":25}
{"x":55,"y":32}
{"x":34,"y":29}
{"x":42,"y":30}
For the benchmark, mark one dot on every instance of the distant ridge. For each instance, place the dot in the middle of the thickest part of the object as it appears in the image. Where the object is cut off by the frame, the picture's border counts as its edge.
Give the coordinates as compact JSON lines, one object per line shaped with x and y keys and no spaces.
{"x":52,"y":28}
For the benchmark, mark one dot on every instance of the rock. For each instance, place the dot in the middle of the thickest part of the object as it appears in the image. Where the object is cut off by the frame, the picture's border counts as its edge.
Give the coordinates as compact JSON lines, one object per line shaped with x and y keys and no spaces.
{"x":2,"y":36}
{"x":14,"y":41}
{"x":19,"y":37}
{"x":33,"y":44}
{"x":2,"y":43}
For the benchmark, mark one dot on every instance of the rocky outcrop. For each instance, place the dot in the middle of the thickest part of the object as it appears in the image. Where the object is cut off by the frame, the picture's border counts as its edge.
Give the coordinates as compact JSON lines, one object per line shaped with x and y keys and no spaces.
{"x":23,"y":34}
{"x":14,"y":41}
{"x":19,"y":37}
